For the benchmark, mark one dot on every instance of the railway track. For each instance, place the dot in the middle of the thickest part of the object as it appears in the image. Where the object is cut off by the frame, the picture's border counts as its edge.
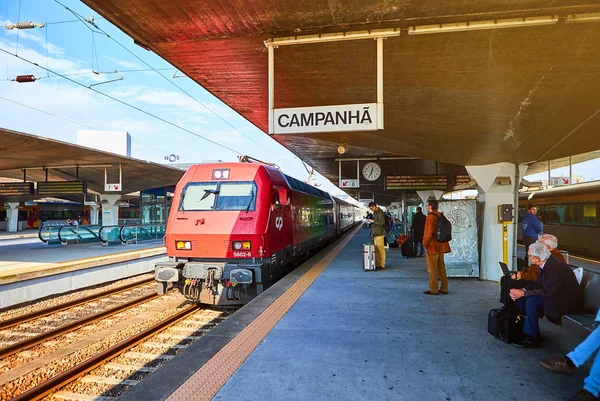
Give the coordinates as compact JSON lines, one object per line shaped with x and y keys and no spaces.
{"x":29,"y":335}
{"x":8,"y":323}
{"x":113,"y":371}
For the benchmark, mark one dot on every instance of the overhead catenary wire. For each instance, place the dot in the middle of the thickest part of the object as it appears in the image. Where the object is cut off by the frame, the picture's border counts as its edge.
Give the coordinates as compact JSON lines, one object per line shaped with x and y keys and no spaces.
{"x":100,"y":30}
{"x":125,"y":103}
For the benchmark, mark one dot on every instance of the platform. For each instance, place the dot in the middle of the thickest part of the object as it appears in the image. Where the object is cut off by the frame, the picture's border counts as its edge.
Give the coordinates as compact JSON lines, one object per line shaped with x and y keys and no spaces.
{"x":355,"y":335}
{"x":31,"y":270}
{"x":30,"y":258}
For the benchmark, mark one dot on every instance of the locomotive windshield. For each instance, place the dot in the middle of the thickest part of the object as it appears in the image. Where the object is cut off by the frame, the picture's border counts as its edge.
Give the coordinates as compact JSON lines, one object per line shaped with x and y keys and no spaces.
{"x":218,"y":196}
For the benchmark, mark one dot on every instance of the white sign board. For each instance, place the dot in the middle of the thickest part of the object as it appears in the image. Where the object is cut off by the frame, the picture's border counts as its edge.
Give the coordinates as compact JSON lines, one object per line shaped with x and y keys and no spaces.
{"x":349,"y":184}
{"x":559,"y":181}
{"x":112,"y":187}
{"x":349,"y":117}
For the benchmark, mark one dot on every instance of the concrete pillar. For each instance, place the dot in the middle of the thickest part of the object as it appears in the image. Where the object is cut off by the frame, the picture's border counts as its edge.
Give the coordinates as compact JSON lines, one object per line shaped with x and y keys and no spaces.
{"x":110,"y":209}
{"x":494,"y":192}
{"x":12,"y":215}
{"x":429,"y":193}
{"x":94,"y":214}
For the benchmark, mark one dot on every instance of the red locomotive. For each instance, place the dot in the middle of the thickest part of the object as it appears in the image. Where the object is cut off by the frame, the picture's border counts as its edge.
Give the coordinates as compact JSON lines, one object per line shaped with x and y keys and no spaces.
{"x":236,"y":228}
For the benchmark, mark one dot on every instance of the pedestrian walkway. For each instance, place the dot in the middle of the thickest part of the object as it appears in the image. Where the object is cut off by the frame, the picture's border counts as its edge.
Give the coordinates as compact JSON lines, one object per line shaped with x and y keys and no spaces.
{"x":356,"y":335}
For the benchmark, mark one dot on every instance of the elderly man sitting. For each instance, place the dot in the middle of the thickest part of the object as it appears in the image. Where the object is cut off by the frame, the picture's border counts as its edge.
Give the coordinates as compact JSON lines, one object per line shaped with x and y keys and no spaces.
{"x":551,"y":243}
{"x":530,"y":273}
{"x":554,"y":293}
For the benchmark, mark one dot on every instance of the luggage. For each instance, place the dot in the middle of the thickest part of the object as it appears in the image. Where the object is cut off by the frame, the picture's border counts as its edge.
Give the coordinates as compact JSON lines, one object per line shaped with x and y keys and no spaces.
{"x":506,"y":325}
{"x":408,"y":248}
{"x":368,"y":257}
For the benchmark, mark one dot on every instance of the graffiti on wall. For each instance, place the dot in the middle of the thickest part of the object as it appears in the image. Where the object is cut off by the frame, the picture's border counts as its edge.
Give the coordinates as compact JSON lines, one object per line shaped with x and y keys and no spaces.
{"x":463,"y":261}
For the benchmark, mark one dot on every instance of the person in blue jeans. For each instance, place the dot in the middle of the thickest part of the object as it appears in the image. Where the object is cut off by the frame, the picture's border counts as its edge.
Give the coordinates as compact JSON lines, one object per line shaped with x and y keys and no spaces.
{"x":574,"y":359}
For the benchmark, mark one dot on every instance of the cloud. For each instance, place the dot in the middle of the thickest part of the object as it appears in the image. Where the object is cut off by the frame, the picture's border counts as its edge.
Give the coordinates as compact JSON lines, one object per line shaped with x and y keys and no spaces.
{"x":33,"y":36}
{"x":127,"y":64}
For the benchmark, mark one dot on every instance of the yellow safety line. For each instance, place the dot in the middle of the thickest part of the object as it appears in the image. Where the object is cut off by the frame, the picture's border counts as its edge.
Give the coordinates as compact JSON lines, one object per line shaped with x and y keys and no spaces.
{"x":208,"y":380}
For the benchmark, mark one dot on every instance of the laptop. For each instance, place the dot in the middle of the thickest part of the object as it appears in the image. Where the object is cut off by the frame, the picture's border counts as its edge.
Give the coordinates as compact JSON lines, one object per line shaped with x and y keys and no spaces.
{"x":505,"y":270}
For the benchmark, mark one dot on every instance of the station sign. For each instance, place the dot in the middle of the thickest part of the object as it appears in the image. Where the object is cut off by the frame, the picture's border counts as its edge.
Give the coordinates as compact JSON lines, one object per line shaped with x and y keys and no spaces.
{"x":341,"y":118}
{"x":112,"y":187}
{"x":417,"y":182}
{"x":61,"y":188}
{"x":560,"y":181}
{"x":349,"y":184}
{"x":16,"y":188}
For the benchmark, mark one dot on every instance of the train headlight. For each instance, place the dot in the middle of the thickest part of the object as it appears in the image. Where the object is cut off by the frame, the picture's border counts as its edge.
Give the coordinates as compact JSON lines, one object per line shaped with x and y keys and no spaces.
{"x":242,"y":245}
{"x":183,"y":245}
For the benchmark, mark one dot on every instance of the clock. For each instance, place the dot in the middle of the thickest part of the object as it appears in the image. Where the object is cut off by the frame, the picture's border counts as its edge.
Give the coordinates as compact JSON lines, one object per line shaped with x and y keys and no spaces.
{"x":371,"y":171}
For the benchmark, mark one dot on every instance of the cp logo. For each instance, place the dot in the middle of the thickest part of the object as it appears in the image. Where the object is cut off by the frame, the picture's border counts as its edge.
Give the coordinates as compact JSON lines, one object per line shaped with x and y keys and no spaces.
{"x":279,"y":222}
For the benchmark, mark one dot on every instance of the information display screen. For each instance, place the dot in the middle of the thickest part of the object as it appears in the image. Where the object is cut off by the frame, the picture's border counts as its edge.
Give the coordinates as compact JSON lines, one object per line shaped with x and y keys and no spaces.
{"x":61,"y":188}
{"x":462,"y":179}
{"x":416,"y":182}
{"x":16,"y":188}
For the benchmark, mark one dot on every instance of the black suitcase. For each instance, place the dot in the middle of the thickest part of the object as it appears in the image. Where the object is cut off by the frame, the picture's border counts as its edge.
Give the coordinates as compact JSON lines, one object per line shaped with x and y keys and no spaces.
{"x":408,"y":248}
{"x":506,"y":325}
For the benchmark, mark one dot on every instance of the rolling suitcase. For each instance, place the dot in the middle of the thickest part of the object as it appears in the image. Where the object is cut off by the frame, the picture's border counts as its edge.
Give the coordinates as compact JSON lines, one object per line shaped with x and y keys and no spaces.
{"x":408,"y":248}
{"x":368,"y":257}
{"x":506,"y":325}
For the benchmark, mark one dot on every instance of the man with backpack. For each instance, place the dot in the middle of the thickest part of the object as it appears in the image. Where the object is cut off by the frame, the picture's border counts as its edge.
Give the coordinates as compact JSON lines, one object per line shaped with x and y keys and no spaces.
{"x":436,"y":238}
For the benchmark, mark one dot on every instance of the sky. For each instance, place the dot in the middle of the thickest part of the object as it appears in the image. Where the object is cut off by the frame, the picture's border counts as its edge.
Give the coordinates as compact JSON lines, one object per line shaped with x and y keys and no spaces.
{"x":185,"y":121}
{"x":191,"y":122}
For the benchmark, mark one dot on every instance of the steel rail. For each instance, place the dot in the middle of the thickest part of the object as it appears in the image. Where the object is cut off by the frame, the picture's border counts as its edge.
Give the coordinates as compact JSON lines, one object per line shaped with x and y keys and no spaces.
{"x":57,"y":308}
{"x":30,"y":342}
{"x":48,"y":387}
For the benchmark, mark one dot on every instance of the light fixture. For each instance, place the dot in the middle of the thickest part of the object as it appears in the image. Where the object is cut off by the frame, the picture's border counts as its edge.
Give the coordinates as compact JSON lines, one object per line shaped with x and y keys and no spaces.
{"x":26,"y":25}
{"x":342,"y":149}
{"x":482,"y":25}
{"x":332,"y":37}
{"x":583,"y":17}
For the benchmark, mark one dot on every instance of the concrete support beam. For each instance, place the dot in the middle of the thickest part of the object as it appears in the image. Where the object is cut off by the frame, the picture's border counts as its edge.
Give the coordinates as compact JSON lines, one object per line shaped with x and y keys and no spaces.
{"x":94,"y":212}
{"x":12,"y":216}
{"x":429,"y":193}
{"x":110,"y":209}
{"x":497,"y":184}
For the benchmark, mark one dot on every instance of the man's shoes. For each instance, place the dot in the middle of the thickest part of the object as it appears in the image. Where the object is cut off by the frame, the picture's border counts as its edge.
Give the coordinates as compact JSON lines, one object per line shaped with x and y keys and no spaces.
{"x":444,"y":292}
{"x":584,"y":395}
{"x":558,"y":364}
{"x":430,"y":293}
{"x":379,"y":267}
{"x":527,"y":343}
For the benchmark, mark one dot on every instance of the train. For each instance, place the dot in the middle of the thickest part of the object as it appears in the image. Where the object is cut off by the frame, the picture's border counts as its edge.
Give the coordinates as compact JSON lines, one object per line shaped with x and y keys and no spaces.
{"x":234,"y":229}
{"x":571,"y":214}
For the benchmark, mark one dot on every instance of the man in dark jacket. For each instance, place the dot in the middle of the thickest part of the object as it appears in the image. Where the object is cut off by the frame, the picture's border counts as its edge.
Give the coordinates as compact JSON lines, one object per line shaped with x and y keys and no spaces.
{"x":418,"y":228}
{"x":378,"y":230}
{"x":555,"y":292}
{"x":531,"y":226}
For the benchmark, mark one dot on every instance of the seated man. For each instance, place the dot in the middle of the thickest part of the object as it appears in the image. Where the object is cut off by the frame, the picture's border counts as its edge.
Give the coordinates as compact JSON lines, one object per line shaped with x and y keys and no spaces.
{"x":530,"y":273}
{"x":554,"y":293}
{"x":551,"y":243}
{"x":576,"y":358}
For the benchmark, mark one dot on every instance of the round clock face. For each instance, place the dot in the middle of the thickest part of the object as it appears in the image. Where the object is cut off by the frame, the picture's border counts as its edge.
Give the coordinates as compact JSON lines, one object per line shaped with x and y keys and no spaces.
{"x":371,"y":171}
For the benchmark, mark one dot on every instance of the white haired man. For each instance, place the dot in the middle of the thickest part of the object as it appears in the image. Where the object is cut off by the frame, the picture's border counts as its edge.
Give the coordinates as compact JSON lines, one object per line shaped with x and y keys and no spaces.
{"x":551,"y":243}
{"x":555,"y":292}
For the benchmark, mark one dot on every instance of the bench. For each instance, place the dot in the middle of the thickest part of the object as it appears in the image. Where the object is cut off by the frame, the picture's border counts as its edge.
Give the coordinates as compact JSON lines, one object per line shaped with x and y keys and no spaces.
{"x":590,"y":284}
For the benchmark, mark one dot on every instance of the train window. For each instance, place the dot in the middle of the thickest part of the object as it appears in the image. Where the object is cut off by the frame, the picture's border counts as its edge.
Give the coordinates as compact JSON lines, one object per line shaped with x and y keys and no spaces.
{"x":193,"y":196}
{"x":590,"y":212}
{"x":237,"y":196}
{"x":571,"y":214}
